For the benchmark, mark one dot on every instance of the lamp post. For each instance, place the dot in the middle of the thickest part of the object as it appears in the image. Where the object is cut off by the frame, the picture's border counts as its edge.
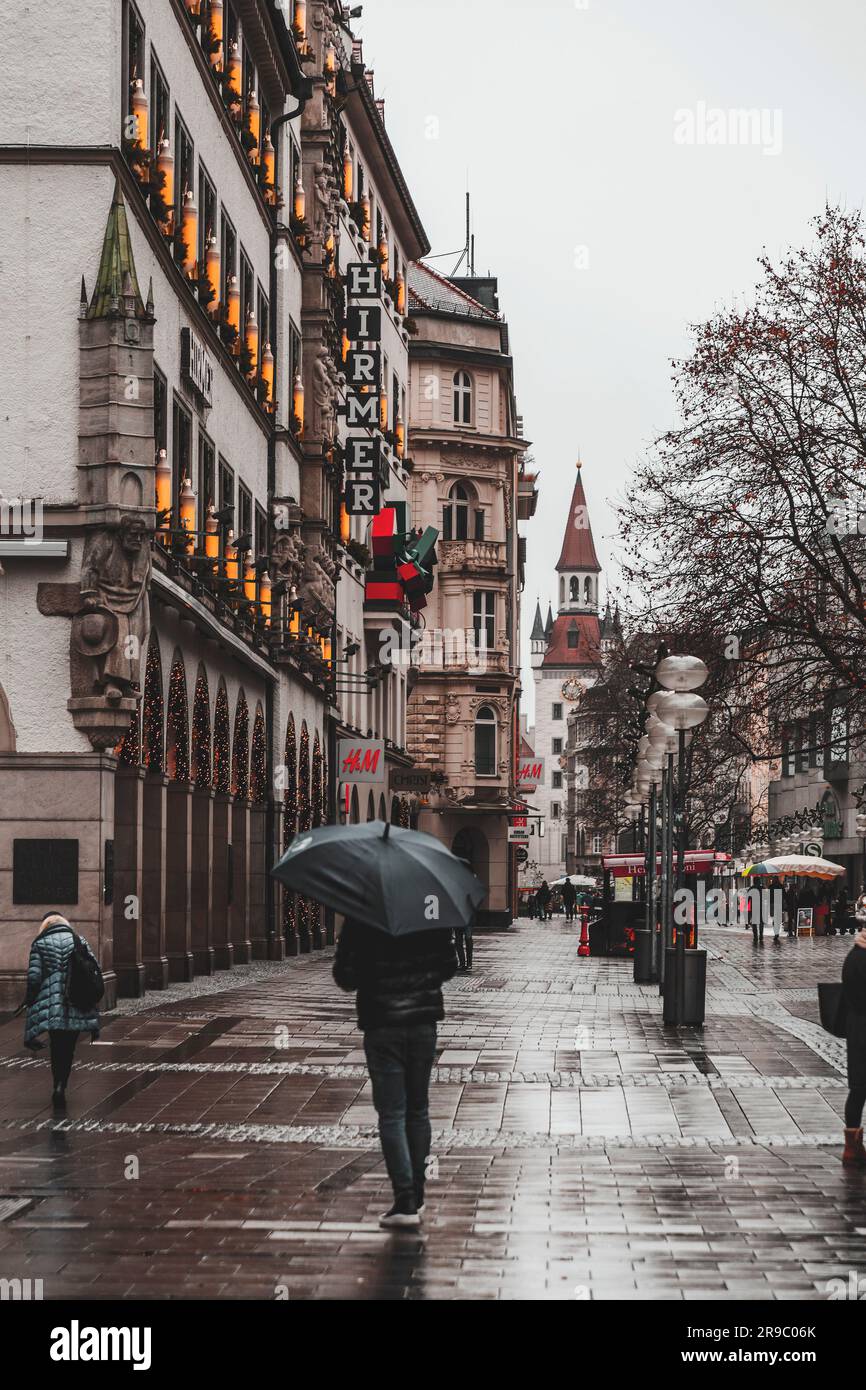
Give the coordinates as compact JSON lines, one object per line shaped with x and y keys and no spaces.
{"x":679,"y":707}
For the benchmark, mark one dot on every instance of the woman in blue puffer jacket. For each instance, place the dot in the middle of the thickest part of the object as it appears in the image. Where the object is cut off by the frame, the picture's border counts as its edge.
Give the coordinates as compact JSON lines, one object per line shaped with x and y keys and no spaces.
{"x":48,"y":1009}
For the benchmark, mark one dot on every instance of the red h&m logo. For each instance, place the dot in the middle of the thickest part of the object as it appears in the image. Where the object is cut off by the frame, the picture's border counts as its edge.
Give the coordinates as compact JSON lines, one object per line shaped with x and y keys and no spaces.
{"x":531,"y":773}
{"x":359,"y":759}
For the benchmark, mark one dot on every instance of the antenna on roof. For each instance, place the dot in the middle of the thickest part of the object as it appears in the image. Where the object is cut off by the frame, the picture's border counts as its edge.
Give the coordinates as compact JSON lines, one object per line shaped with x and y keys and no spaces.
{"x":468,"y":252}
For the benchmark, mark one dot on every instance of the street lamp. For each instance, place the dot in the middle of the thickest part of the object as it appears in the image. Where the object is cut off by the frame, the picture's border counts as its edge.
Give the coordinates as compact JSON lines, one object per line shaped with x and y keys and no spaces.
{"x":682,"y":710}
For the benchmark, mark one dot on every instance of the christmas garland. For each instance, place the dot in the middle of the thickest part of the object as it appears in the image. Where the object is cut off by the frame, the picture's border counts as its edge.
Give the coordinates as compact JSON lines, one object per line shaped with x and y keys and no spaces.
{"x":259,"y":762}
{"x":152,"y":725}
{"x":221,"y":759}
{"x":201,"y":756}
{"x":241,"y":749}
{"x":177,"y":724}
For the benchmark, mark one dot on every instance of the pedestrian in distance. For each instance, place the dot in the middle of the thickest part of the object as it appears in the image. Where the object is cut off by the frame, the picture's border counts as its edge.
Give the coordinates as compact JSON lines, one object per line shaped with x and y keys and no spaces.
{"x":569,"y":898}
{"x":64,"y":987}
{"x":399,"y":981}
{"x":463,"y":947}
{"x":841,"y":912}
{"x":544,"y":900}
{"x":854,"y":1003}
{"x":789,"y":899}
{"x":859,"y":920}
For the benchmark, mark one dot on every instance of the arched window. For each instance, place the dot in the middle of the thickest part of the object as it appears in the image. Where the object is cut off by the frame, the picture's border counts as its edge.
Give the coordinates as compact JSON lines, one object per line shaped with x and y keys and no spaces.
{"x":587,"y":590}
{"x":455,"y":515}
{"x":371,"y":807}
{"x":574,"y":589}
{"x":573,"y":637}
{"x":562,"y":591}
{"x":462,"y":398}
{"x":485,"y":742}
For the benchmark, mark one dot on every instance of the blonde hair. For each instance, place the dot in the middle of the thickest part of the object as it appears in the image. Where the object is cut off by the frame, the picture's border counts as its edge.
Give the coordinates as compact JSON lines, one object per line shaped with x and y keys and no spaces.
{"x":54,"y":919}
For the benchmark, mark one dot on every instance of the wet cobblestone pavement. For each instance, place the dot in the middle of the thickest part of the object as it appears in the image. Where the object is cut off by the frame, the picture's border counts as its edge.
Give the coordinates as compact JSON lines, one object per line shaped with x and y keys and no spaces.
{"x":220,"y":1139}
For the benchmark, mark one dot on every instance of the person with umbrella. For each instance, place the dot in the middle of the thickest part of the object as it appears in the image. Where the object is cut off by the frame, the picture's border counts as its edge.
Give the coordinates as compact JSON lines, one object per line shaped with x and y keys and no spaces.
{"x":854,"y":1001}
{"x":403,"y":893}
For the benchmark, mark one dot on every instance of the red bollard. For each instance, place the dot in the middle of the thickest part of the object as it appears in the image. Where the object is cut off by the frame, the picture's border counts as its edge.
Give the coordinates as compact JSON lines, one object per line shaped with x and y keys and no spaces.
{"x":583,"y":948}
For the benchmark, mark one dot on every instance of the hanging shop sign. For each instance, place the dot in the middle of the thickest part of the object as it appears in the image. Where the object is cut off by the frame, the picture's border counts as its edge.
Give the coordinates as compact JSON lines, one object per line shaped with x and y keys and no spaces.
{"x":518,"y":835}
{"x":196,"y":368}
{"x":361,"y":759}
{"x":530,"y":774}
{"x":363,"y":496}
{"x":410,"y":780}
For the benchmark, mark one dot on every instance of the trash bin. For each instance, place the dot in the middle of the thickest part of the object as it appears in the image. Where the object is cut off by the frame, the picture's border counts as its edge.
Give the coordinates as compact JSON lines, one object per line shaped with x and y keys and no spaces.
{"x":644,"y":958}
{"x":695,"y":988}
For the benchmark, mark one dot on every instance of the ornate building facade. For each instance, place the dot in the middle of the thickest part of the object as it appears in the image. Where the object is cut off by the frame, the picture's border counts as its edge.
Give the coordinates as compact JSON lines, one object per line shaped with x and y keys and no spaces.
{"x":173,"y":674}
{"x":470,"y":483}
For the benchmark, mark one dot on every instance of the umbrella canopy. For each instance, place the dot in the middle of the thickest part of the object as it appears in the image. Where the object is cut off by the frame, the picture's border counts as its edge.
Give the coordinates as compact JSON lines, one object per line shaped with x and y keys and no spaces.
{"x":401,"y":881}
{"x":796,"y":865}
{"x":579,"y":881}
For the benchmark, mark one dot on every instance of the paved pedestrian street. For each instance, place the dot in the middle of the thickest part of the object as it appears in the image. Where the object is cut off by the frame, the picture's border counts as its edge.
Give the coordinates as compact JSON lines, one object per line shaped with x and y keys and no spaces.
{"x":220,"y":1140}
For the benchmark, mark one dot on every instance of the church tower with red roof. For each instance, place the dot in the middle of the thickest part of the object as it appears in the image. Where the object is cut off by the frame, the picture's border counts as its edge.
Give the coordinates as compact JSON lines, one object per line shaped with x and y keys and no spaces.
{"x":565,"y":663}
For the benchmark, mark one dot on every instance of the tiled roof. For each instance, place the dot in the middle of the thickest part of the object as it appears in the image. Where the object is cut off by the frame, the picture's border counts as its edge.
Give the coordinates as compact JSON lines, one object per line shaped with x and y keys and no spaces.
{"x":430,"y":290}
{"x":588,"y":649}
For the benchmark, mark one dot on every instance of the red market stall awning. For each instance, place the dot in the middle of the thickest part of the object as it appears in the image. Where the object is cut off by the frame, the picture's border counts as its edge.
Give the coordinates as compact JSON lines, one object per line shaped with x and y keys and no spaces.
{"x":698,"y":861}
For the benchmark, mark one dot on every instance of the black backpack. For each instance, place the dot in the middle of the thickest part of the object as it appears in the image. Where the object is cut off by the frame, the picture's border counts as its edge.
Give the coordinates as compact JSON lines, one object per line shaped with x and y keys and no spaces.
{"x":84,"y":983}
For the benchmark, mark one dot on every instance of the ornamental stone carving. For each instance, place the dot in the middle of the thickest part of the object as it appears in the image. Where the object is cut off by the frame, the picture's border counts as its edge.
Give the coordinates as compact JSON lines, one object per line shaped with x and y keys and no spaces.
{"x":112,"y":629}
{"x":317,"y":590}
{"x":288,"y":552}
{"x":323,"y":394}
{"x":110,"y":612}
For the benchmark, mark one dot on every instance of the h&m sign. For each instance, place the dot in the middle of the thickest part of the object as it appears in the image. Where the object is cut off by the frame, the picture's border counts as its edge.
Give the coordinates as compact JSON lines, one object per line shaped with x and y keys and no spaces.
{"x":360,"y":759}
{"x":196,"y":367}
{"x":530,"y":773}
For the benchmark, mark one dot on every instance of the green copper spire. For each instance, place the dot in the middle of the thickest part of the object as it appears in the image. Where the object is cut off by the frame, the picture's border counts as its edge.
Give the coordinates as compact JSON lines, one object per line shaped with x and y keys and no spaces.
{"x":116,"y":291}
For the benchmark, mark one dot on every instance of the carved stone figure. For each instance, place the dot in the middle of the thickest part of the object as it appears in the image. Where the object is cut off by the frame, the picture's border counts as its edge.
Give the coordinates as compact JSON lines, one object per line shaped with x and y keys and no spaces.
{"x":325,"y":188}
{"x":323,"y":394}
{"x":112,"y":627}
{"x":318,"y":589}
{"x":289,"y":551}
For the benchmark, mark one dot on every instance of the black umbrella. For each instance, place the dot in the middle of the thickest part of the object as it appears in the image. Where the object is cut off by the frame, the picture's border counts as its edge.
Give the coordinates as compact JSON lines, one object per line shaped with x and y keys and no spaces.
{"x":400,"y":880}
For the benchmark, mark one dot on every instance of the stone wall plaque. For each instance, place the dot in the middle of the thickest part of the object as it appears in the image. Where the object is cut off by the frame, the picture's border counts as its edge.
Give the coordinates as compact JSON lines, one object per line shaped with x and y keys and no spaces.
{"x":45,"y":872}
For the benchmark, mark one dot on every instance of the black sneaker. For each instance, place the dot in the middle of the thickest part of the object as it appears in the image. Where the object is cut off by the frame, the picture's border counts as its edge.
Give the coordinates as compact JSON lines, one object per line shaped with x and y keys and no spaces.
{"x":403,"y":1214}
{"x":58,"y":1098}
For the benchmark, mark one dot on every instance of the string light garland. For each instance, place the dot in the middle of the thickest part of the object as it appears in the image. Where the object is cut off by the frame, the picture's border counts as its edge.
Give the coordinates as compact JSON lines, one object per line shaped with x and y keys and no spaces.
{"x":259,"y":761}
{"x":221,"y":760}
{"x":305,"y":907}
{"x":201,"y":753}
{"x":152,"y":726}
{"x":290,"y":818}
{"x":128,"y":751}
{"x":177,"y":724}
{"x":241,"y":749}
{"x":316,"y":808}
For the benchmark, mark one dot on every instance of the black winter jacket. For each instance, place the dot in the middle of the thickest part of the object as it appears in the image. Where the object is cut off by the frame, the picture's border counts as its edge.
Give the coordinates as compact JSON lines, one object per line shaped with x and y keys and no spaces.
{"x":854,"y":991}
{"x":399,"y":979}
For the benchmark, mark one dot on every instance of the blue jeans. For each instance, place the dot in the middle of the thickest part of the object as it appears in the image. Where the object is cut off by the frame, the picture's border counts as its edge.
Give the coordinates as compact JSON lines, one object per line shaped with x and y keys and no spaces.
{"x":400,"y":1061}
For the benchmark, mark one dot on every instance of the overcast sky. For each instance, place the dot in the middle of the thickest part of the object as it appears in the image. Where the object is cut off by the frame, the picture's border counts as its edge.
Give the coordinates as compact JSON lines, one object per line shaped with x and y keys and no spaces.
{"x":610,"y":219}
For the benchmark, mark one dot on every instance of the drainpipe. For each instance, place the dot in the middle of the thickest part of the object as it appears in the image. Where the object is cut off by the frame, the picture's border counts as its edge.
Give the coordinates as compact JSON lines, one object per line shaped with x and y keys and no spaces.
{"x":303,"y":92}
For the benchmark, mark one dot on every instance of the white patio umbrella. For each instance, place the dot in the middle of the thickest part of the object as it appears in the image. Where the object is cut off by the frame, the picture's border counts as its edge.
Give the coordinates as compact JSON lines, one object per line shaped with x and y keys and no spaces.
{"x":579,"y":881}
{"x":797,"y":865}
